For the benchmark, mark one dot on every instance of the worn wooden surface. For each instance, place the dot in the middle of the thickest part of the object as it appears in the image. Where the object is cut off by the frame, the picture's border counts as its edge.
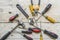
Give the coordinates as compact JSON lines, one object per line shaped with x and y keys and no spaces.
{"x":7,"y":6}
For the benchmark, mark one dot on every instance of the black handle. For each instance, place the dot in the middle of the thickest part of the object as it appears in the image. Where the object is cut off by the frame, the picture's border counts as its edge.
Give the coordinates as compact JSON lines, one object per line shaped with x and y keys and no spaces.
{"x":27,"y":32}
{"x":51,"y":34}
{"x":5,"y":36}
{"x":27,"y":37}
{"x":46,"y":9}
{"x":21,"y":9}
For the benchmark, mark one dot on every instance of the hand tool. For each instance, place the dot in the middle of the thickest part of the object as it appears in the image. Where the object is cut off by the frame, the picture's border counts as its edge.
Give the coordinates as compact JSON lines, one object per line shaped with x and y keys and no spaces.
{"x":21,"y":9}
{"x":31,"y":22}
{"x":47,"y":17}
{"x":13,"y":17}
{"x":24,"y":35}
{"x":24,"y":13}
{"x":50,"y":19}
{"x":41,"y":36}
{"x":27,"y":32}
{"x":36,"y":30}
{"x":45,"y":10}
{"x":34,"y":8}
{"x":7,"y":34}
{"x":51,"y":34}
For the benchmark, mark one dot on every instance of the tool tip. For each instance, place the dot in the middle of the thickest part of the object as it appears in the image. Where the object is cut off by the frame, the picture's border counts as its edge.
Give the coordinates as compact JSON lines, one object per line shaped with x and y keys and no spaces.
{"x":17,"y":4}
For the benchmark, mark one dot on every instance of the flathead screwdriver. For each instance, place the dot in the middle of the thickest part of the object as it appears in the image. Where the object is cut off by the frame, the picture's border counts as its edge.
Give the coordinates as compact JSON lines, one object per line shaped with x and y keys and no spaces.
{"x":45,"y":10}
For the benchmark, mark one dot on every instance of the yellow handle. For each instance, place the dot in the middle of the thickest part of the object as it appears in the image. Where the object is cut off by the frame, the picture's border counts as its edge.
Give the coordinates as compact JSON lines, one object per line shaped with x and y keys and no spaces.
{"x":50,"y":19}
{"x":41,"y":37}
{"x":31,"y":10}
{"x":32,"y":7}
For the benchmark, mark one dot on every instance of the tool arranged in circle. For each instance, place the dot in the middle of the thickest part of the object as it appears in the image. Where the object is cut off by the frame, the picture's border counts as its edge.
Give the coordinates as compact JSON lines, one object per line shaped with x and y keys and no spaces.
{"x":34,"y":9}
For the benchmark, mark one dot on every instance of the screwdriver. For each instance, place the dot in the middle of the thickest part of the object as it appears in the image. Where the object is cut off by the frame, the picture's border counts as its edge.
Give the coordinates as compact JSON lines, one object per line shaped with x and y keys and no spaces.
{"x":22,"y":10}
{"x":24,"y":35}
{"x":51,"y":34}
{"x":50,"y":19}
{"x":27,"y":32}
{"x":41,"y":36}
{"x":24,"y":13}
{"x":45,"y":10}
{"x":38,"y":30}
{"x":35,"y":30}
{"x":13,"y":17}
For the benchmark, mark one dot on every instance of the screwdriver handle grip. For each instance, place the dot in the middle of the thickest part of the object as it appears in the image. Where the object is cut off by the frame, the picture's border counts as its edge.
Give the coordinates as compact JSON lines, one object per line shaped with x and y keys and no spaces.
{"x":27,"y":32}
{"x":29,"y":38}
{"x":46,"y":9}
{"x":51,"y":34}
{"x":50,"y":19}
{"x":41,"y":36}
{"x":22,"y":11}
{"x":5,"y":36}
{"x":36,"y":30}
{"x":13,"y":17}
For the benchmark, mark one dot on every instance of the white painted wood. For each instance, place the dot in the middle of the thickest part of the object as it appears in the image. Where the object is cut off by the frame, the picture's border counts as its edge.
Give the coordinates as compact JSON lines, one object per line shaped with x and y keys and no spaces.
{"x":10,"y":5}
